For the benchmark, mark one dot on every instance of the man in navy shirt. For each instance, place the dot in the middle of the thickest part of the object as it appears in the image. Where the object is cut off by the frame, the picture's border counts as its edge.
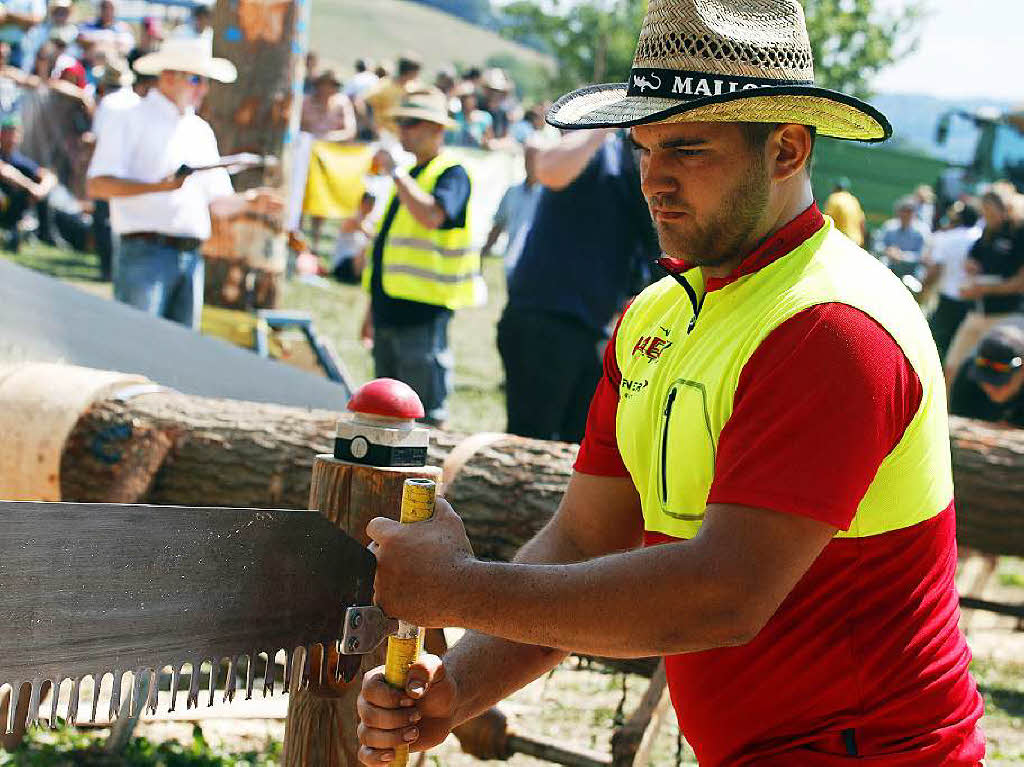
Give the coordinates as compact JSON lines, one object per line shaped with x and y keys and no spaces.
{"x":23,"y":184}
{"x":585,"y":254}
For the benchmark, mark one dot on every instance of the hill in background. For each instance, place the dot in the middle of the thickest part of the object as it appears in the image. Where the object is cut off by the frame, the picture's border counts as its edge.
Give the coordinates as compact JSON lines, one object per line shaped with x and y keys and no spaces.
{"x":344,"y":30}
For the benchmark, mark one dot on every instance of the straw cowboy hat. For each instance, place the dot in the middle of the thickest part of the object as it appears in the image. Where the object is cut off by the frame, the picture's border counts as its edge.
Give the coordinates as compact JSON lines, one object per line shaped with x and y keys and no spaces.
{"x":429,"y":104}
{"x":722,"y":61}
{"x":187,"y":54}
{"x":117,"y":74}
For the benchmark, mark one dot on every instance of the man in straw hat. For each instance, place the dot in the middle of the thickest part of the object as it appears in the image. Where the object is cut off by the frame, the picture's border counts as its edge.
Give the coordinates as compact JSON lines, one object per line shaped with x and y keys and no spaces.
{"x":764,"y":495}
{"x":160,"y":212}
{"x":423,"y":264}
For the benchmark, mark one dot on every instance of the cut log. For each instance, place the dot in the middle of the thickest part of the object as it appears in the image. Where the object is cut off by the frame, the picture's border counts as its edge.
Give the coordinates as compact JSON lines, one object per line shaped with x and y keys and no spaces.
{"x":988,"y":469}
{"x":242,"y":454}
{"x":229,"y":453}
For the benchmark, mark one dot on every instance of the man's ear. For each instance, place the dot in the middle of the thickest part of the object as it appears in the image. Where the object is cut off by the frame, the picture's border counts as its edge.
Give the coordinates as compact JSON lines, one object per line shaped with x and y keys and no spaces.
{"x":790,"y":150}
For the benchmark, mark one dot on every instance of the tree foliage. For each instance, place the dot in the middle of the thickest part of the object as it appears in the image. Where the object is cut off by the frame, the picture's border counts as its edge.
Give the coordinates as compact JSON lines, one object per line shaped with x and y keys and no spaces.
{"x":593,"y":42}
{"x":853,"y":40}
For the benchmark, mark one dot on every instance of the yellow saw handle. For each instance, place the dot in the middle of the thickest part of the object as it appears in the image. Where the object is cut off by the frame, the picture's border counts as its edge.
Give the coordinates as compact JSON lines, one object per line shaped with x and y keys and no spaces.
{"x":404,"y":647}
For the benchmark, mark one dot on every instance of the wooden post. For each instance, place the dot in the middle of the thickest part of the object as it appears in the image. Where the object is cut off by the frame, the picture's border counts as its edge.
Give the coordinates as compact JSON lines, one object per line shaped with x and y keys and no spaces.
{"x":321,"y":726}
{"x":266,"y":40}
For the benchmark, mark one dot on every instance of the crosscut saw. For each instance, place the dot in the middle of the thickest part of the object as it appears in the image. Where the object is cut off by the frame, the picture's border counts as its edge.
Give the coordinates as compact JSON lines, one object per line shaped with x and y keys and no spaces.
{"x":88,"y":590}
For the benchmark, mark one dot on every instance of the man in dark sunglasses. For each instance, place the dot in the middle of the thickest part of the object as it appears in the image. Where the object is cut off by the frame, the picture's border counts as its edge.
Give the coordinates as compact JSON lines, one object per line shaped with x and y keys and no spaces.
{"x":423,"y":264}
{"x":990,"y":384}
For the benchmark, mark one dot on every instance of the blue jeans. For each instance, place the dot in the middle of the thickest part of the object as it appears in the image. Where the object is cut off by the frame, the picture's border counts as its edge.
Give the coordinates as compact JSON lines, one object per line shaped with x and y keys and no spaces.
{"x":160,"y":280}
{"x":418,"y":355}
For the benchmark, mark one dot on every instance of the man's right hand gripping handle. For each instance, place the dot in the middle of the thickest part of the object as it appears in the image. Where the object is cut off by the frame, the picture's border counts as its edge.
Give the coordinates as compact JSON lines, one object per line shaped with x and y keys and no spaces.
{"x":422,"y":715}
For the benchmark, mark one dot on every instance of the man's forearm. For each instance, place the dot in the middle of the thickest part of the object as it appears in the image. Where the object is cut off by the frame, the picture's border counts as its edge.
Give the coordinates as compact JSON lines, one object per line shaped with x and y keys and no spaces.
{"x":422,"y":205}
{"x":558,"y":166}
{"x":1010,"y":286}
{"x":487,"y":669}
{"x":105,"y":187}
{"x":626,"y":605}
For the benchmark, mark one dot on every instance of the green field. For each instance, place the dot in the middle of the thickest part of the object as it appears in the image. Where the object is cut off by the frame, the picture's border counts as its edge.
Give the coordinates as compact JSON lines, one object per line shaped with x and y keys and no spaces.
{"x":344,"y":30}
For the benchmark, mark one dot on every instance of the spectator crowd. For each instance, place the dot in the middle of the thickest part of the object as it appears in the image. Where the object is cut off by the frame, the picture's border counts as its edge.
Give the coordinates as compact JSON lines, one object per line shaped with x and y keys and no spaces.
{"x":61,"y":79}
{"x":965,"y":261}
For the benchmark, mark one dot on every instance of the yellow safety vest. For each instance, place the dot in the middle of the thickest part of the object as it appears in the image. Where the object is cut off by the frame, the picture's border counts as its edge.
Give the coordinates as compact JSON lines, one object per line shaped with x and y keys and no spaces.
{"x":431,"y":266}
{"x":678,"y":384}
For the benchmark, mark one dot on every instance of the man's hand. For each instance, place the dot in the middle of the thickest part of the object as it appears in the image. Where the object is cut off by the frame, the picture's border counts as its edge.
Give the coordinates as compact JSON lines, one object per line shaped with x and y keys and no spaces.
{"x":420,"y":567}
{"x":366,"y":330}
{"x":383,"y":162}
{"x":422,"y":715}
{"x":971,"y":290}
{"x":172,"y":182}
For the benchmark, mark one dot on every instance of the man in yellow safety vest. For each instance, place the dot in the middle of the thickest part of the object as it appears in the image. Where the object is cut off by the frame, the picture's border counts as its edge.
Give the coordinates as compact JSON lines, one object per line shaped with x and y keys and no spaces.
{"x":423,"y":264}
{"x":764,"y":494}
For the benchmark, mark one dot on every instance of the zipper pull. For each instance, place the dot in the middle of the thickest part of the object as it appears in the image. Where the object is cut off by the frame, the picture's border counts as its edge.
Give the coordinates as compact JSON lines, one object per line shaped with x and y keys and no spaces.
{"x":669,"y":401}
{"x":692,"y":325}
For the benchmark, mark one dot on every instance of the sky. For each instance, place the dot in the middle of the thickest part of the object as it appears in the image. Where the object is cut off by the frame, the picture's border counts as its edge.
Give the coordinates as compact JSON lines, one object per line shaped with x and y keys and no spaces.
{"x":968,"y":48}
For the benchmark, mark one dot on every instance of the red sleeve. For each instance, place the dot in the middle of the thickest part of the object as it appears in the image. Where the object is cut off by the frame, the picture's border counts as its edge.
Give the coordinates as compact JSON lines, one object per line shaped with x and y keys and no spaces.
{"x":820,"y":404}
{"x":599,"y":451}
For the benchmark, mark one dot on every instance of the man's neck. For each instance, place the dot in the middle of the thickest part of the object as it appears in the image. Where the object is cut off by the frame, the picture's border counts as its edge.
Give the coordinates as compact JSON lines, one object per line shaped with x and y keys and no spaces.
{"x":423,"y":159}
{"x":791,"y":206}
{"x":170,"y":97}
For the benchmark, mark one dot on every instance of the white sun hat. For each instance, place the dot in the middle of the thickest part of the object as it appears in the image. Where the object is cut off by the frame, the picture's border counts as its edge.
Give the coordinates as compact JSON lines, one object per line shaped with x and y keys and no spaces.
{"x":722,"y":61}
{"x":187,"y":54}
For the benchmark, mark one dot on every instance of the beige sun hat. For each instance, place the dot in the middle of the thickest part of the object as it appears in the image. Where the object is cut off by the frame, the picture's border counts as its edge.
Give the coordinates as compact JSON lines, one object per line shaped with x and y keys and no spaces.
{"x":187,"y":54}
{"x":429,"y":104}
{"x":722,"y":61}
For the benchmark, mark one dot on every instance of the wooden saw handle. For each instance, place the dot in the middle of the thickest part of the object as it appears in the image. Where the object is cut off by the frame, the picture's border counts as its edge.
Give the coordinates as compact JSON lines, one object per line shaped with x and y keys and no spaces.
{"x":404,"y":647}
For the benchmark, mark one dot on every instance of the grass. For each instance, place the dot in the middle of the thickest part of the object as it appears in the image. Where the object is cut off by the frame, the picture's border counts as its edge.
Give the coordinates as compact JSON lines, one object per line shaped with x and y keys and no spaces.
{"x":68,"y":747}
{"x":382,"y":29}
{"x":477,"y":404}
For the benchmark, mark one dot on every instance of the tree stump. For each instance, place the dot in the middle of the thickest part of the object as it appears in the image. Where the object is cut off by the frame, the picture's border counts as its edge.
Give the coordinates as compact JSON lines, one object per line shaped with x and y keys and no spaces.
{"x":321,"y":726}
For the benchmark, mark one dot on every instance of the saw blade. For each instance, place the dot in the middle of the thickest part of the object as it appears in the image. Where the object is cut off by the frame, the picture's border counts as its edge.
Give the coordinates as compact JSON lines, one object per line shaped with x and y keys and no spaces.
{"x":95,"y":589}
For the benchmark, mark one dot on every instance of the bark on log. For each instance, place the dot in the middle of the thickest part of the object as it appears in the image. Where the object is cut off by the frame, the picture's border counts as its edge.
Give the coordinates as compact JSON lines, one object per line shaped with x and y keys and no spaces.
{"x":988,"y":470}
{"x":177,"y":449}
{"x":242,"y":454}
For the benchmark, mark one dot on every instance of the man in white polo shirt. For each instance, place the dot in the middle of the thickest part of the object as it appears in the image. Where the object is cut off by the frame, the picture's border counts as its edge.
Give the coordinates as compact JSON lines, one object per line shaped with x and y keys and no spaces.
{"x":161,"y":210}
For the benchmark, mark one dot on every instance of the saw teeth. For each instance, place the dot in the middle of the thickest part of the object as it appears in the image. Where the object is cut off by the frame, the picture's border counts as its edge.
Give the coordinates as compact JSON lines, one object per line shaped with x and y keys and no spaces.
{"x":115,"y":695}
{"x":286,"y":683}
{"x":229,"y":683}
{"x":73,"y":701}
{"x":154,"y":692}
{"x":250,"y":674}
{"x":33,"y":703}
{"x":55,"y":695}
{"x":175,"y":679}
{"x":97,"y":681}
{"x":193,"y":686}
{"x":12,"y":712}
{"x":214,"y":667}
{"x":268,"y":674}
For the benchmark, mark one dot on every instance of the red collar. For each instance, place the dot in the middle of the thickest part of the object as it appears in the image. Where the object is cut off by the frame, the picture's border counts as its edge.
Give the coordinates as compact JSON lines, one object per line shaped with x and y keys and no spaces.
{"x":773,"y":248}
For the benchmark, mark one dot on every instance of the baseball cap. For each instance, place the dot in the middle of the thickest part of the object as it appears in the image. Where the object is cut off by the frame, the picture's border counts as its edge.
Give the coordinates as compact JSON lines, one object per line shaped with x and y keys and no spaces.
{"x":999,"y":355}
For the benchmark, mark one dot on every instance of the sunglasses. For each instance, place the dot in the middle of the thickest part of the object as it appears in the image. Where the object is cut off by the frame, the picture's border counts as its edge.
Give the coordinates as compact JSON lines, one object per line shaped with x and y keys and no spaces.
{"x":999,"y":367}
